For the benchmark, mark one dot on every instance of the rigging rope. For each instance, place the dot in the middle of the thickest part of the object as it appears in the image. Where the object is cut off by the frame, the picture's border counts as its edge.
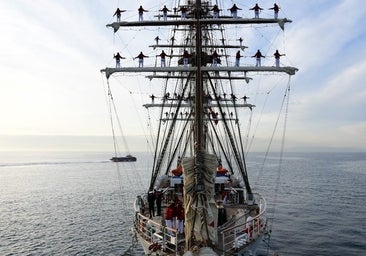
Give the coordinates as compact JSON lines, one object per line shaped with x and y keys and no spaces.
{"x":123,"y":200}
{"x":110,"y":99}
{"x":285,"y":103}
{"x":118,"y":121}
{"x":112,"y":107}
{"x":273,"y":133}
{"x":281,"y":152}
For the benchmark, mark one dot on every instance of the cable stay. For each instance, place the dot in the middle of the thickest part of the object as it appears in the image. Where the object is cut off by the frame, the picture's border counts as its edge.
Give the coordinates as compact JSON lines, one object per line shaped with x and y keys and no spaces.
{"x":278,"y":179}
{"x":114,"y":113}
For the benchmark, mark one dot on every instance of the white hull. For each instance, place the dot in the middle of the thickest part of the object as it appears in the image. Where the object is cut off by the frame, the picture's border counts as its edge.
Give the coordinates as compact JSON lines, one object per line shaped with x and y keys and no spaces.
{"x":236,"y":237}
{"x":250,"y":250}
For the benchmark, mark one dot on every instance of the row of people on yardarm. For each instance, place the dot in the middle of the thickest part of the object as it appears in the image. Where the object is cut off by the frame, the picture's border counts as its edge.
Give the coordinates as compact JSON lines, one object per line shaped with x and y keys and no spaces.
{"x":184,"y":12}
{"x":186,"y":58}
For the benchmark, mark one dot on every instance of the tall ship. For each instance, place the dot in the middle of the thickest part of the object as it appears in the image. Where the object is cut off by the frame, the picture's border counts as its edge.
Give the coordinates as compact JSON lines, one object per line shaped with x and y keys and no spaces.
{"x":199,"y":200}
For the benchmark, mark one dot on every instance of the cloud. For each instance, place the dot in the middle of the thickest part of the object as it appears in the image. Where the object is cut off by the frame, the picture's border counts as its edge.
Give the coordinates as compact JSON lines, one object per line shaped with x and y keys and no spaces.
{"x":50,"y":62}
{"x":52,"y":51}
{"x":323,"y":35}
{"x":355,"y":130}
{"x":340,"y":99}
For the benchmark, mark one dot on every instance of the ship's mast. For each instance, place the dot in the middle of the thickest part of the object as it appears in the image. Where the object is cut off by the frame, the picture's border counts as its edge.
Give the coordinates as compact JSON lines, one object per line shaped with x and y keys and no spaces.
{"x":198,"y":134}
{"x":199,"y":84}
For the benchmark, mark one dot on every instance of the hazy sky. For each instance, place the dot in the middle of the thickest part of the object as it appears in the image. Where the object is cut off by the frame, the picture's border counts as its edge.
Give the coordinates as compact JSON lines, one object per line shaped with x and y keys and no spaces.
{"x":51,"y":53}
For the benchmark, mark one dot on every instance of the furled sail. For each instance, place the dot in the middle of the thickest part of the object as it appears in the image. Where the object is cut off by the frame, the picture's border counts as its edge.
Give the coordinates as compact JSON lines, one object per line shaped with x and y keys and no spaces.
{"x":200,"y":207}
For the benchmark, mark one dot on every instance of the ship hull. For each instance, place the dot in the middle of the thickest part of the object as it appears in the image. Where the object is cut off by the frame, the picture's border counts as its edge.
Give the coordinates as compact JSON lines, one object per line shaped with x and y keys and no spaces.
{"x":240,"y":235}
{"x":124,"y":159}
{"x":250,"y":250}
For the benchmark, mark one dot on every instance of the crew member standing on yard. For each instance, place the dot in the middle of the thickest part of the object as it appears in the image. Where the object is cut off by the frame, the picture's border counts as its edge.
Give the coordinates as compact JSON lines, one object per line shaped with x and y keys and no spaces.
{"x":183,"y":11}
{"x":245,"y":99}
{"x":240,"y":42}
{"x":237,"y":59}
{"x":141,"y":13}
{"x":151,"y":201}
{"x":141,"y":57}
{"x":185,"y":58}
{"x":256,"y":9}
{"x":118,"y":14}
{"x":216,"y":11}
{"x":156,"y":40}
{"x":165,"y":11}
{"x":152,"y":96}
{"x":215,"y":56}
{"x":162,"y":58}
{"x":234,"y":11}
{"x":258,"y":55}
{"x":277,"y":56}
{"x":118,"y":58}
{"x":275,"y":9}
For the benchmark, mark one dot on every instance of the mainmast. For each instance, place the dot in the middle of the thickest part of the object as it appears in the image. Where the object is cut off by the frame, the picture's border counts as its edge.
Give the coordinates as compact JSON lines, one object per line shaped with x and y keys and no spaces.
{"x":199,"y":84}
{"x":198,"y":134}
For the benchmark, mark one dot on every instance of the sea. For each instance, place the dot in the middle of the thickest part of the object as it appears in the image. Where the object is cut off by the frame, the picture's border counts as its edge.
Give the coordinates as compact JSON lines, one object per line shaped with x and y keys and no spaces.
{"x":80,"y":203}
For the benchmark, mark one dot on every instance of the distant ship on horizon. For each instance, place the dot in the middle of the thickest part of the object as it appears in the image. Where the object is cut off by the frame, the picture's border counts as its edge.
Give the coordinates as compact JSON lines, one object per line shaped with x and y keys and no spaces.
{"x":128,"y":158}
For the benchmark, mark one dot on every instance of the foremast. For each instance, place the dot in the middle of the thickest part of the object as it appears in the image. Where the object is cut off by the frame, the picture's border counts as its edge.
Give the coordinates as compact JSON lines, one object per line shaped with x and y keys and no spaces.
{"x":198,"y":134}
{"x":199,"y":145}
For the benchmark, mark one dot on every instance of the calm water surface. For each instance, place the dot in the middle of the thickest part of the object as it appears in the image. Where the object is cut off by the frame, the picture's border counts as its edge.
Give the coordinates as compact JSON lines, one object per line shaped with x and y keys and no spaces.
{"x":81,"y":204}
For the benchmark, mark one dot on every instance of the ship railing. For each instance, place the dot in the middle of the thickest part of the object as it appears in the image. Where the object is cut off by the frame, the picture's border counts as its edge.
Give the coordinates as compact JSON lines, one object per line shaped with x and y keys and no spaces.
{"x":245,"y":233}
{"x":154,"y":232}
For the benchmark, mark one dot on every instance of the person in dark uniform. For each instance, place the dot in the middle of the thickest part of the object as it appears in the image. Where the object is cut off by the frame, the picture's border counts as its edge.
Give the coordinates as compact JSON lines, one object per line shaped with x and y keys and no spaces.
{"x":162,"y":58}
{"x":234,"y":11}
{"x":141,"y":57}
{"x":151,"y":201}
{"x":141,"y":11}
{"x":237,"y":59}
{"x":183,"y":11}
{"x":216,"y":11}
{"x":256,"y":9}
{"x":215,"y":57}
{"x":245,"y":99}
{"x":180,"y":218}
{"x":158,"y":198}
{"x":277,"y":56}
{"x":118,"y":58}
{"x":186,"y":56}
{"x":275,"y":9}
{"x":221,"y":218}
{"x":165,"y":11}
{"x":118,"y":14}
{"x":258,"y":55}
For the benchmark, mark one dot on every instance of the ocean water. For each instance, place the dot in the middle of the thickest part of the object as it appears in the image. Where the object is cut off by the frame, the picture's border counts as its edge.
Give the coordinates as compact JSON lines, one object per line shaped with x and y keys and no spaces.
{"x":74,"y":203}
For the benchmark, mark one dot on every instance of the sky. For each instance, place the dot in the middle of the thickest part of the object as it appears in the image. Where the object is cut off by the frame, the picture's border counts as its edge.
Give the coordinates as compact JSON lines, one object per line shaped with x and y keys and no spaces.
{"x":52,"y":91}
